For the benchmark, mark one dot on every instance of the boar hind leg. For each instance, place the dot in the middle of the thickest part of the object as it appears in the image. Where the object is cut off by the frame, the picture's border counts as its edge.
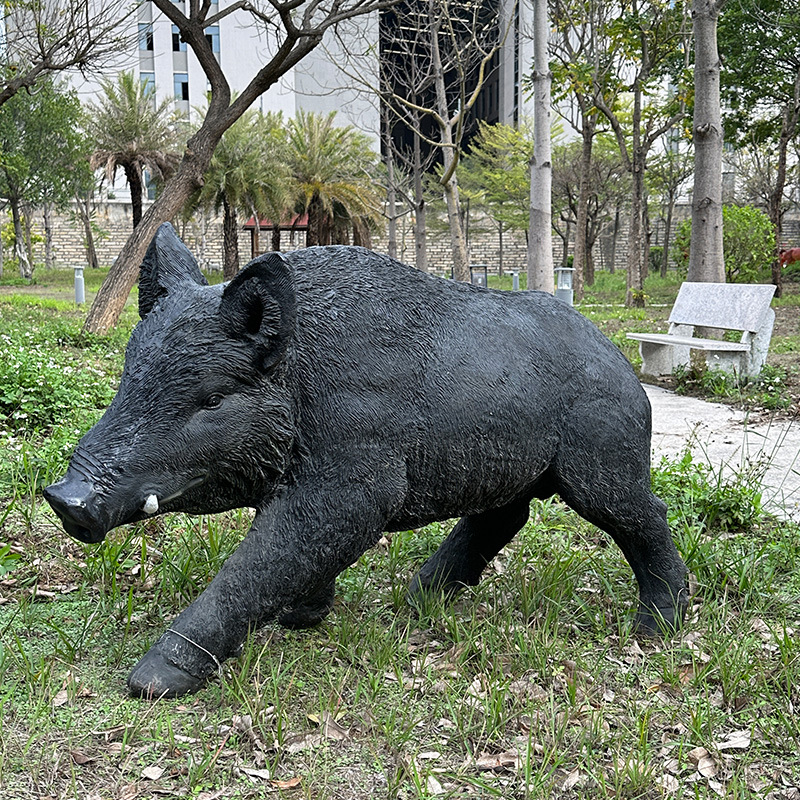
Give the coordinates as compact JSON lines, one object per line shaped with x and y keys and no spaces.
{"x":310,"y":611}
{"x":618,"y":500}
{"x":471,"y":545}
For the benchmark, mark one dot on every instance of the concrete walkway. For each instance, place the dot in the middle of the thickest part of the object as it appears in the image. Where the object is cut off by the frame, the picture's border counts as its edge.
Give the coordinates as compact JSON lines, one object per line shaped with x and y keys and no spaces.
{"x":723,"y":438}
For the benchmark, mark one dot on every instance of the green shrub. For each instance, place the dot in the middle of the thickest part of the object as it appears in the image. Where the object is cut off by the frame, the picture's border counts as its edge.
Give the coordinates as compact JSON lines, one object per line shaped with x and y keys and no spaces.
{"x":699,"y":496}
{"x":748,"y":243}
{"x":40,"y":386}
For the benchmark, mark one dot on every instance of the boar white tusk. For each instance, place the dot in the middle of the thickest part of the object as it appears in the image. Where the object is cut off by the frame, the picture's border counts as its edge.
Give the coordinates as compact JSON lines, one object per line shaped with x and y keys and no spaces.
{"x":150,"y":504}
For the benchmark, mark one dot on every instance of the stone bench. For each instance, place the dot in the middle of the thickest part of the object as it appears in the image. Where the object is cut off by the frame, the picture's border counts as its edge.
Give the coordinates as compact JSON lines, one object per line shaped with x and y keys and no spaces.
{"x":730,"y":306}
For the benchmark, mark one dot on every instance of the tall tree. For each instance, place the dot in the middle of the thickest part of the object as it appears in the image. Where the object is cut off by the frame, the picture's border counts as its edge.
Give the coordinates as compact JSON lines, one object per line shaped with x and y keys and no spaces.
{"x":295,"y":27}
{"x":436,"y":57}
{"x":42,"y":38}
{"x":495,"y":173}
{"x":334,"y":180}
{"x":761,"y":87}
{"x":608,"y":187}
{"x":32,"y":124}
{"x":540,"y":237}
{"x":706,"y":259}
{"x":132,"y":133}
{"x":667,"y":172}
{"x":247,"y":174}
{"x":581,"y":66}
{"x":644,"y":42}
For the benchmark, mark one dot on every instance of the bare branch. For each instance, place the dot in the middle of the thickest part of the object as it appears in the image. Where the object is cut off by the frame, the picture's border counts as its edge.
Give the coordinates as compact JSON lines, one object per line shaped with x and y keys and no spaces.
{"x":44,"y":38}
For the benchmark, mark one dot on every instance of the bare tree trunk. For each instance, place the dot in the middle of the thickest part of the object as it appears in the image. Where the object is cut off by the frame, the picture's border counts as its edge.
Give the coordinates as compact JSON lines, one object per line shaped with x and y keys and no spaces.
{"x":27,"y":216}
{"x":391,"y":197}
{"x":706,"y":261}
{"x":457,"y":240}
{"x":420,"y":221}
{"x":230,"y":241}
{"x":614,"y":239}
{"x":579,"y":261}
{"x":47,"y":212}
{"x":646,"y":236}
{"x":500,"y":249}
{"x":84,"y":212}
{"x":316,"y":234}
{"x":20,"y":251}
{"x":276,"y":237}
{"x":256,"y":233}
{"x":667,"y":234}
{"x":134,"y":178}
{"x":540,"y":235}
{"x":634,"y":297}
{"x":449,"y":181}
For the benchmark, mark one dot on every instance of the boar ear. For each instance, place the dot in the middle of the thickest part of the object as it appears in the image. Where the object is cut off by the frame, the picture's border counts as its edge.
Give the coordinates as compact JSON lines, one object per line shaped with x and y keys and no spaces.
{"x":167,"y":265}
{"x":259,"y":306}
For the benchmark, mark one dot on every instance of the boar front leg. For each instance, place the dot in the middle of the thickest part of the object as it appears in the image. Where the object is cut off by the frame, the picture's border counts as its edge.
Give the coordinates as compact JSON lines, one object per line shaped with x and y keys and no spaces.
{"x":297,"y":546}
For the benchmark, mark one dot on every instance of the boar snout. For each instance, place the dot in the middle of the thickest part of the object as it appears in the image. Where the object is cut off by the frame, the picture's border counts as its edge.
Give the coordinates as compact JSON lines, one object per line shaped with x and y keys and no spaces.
{"x":74,"y":500}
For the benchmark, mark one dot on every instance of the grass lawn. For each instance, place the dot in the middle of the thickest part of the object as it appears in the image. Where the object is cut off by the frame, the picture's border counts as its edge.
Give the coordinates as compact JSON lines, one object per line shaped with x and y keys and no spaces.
{"x":528,"y":686}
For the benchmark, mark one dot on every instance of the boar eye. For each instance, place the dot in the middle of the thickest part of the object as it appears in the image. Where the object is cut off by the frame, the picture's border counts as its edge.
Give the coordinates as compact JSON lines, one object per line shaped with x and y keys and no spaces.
{"x":213,"y":401}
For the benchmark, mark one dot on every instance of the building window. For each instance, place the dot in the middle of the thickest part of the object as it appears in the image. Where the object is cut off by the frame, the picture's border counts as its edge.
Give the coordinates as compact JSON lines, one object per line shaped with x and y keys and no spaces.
{"x":178,"y":45}
{"x":181,"y":86}
{"x":212,"y":37}
{"x":148,"y":80}
{"x":145,"y":36}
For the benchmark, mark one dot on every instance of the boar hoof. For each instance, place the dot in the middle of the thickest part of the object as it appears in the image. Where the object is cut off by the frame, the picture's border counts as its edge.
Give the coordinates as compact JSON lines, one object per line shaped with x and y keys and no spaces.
{"x":423,"y":590}
{"x":154,"y":678}
{"x":659,"y":620}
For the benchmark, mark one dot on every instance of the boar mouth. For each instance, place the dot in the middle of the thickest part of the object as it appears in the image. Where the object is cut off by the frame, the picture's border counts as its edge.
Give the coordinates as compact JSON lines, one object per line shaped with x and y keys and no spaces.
{"x":78,"y":521}
{"x":83,"y":518}
{"x":82,"y":534}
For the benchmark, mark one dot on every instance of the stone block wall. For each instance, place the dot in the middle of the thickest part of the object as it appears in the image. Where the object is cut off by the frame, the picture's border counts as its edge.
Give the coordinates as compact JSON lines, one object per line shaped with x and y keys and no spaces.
{"x":203,"y":236}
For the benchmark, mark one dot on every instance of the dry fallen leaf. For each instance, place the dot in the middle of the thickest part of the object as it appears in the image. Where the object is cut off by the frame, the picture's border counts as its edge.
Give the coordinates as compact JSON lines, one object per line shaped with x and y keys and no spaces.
{"x":572,"y":780}
{"x":152,"y":773}
{"x":292,"y":783}
{"x":669,"y":783}
{"x":80,"y":758}
{"x":707,"y":767}
{"x":258,"y":774}
{"x":695,"y":755}
{"x":331,"y":729}
{"x":303,"y":741}
{"x":61,"y":699}
{"x":735,"y":740}
{"x":509,"y":760}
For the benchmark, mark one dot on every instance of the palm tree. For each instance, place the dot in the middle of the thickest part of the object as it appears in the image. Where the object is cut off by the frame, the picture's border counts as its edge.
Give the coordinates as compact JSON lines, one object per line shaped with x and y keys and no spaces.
{"x":132,"y":132}
{"x":333,"y":171}
{"x":248,"y":174}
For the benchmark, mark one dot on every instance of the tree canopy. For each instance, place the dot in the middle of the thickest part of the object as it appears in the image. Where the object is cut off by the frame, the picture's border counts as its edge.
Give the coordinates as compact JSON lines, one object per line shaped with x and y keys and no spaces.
{"x":133,"y":133}
{"x":334,"y":178}
{"x":43,"y":155}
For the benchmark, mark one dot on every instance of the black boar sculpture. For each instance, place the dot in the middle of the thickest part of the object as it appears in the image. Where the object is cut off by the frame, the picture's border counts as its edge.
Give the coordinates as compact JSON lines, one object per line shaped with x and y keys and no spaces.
{"x":342,"y":394}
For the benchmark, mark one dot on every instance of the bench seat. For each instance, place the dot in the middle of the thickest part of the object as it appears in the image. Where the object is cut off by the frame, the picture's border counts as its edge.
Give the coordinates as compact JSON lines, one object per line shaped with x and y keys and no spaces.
{"x":691,"y":341}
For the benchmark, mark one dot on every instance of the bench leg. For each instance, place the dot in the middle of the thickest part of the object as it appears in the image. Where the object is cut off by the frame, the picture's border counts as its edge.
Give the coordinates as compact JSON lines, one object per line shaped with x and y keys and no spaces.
{"x":662,"y":359}
{"x":723,"y":361}
{"x":759,"y":347}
